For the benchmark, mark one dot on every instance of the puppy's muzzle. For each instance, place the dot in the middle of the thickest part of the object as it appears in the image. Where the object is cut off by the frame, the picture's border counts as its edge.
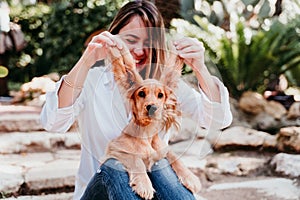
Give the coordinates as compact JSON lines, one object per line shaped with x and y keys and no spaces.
{"x":151,"y":109}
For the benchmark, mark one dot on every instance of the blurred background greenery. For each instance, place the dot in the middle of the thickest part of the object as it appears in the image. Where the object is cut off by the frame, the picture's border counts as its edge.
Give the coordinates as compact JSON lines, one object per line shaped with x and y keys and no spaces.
{"x":248,"y":42}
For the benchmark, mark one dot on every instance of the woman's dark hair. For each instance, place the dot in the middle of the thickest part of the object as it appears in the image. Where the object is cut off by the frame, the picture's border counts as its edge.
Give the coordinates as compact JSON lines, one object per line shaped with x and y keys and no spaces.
{"x":153,"y":20}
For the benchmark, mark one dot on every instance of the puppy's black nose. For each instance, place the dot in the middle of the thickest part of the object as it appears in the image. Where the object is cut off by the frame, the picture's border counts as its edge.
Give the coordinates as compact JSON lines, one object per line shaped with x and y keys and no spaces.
{"x":151,"y":109}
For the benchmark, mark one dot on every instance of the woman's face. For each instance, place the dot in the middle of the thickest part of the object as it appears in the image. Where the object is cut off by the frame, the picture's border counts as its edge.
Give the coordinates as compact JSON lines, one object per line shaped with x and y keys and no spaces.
{"x":135,"y":36}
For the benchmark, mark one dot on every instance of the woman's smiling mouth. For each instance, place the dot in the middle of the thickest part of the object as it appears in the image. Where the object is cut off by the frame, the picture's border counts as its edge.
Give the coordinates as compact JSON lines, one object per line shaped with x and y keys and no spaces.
{"x":140,"y":63}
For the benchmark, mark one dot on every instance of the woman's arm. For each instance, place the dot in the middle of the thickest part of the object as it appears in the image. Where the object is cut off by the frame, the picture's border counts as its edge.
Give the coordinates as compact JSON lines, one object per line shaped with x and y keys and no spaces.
{"x":64,"y":104}
{"x":73,"y":82}
{"x":192,"y":52}
{"x":210,"y":108}
{"x":206,"y":113}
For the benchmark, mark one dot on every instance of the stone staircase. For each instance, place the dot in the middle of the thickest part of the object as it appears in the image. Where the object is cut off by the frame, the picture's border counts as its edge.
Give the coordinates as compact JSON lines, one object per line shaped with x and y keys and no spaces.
{"x":35,"y":164}
{"x":38,"y":165}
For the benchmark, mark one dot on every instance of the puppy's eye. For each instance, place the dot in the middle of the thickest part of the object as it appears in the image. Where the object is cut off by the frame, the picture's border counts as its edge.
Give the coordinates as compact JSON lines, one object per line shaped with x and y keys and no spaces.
{"x":160,"y":95}
{"x":141,"y":94}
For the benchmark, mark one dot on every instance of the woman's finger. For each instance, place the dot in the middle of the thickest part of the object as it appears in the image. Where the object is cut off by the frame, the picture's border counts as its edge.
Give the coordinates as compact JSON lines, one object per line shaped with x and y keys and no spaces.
{"x":187,"y":42}
{"x":104,"y":38}
{"x":190,"y":49}
{"x":118,"y":41}
{"x":189,"y":55}
{"x":95,"y":45}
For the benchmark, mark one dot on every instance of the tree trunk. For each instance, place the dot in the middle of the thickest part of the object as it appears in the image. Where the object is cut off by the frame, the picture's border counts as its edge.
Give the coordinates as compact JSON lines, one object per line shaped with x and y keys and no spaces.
{"x":278,"y":8}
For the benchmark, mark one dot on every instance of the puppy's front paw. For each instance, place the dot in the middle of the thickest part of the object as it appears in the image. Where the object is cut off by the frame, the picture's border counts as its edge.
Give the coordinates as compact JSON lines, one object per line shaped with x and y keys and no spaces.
{"x":142,"y":185}
{"x":191,"y":182}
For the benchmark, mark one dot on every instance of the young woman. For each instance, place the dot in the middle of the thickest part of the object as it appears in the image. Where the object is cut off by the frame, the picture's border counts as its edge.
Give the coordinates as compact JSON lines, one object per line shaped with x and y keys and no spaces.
{"x":90,"y":95}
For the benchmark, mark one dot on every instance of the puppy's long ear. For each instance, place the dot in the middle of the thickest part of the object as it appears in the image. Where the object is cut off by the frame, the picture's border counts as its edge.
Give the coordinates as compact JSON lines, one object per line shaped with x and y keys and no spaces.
{"x":170,"y":77}
{"x":171,"y":112}
{"x":172,"y":69}
{"x":123,"y":67}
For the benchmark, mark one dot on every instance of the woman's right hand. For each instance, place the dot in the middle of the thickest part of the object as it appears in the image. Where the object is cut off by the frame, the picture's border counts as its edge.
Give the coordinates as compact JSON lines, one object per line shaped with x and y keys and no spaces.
{"x":98,"y":47}
{"x":96,"y":50}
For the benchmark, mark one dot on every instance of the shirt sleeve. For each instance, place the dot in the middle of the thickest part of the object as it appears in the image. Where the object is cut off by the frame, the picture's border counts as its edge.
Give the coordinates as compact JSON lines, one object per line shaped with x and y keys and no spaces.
{"x":207,"y":114}
{"x":56,"y":119}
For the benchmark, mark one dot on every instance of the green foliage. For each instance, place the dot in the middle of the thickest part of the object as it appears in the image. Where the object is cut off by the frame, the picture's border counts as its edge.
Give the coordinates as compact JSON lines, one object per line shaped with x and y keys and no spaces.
{"x":56,"y":34}
{"x":68,"y":28}
{"x":32,"y":20}
{"x":269,"y":54}
{"x":249,"y":65}
{"x":248,"y":48}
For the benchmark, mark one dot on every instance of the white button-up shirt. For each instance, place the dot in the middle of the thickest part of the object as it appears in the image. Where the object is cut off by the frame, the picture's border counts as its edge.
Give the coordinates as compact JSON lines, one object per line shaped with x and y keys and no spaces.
{"x":102,"y":114}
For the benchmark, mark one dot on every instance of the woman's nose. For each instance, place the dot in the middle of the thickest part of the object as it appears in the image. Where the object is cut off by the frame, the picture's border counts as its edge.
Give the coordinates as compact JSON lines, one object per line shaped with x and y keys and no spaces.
{"x":138,"y":51}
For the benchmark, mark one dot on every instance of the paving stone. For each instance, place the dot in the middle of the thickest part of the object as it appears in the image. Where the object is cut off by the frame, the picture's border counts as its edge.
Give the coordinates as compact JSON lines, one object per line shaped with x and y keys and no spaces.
{"x":197,"y":147}
{"x":289,"y":139}
{"x":41,"y":141}
{"x":26,"y":160}
{"x":11,"y":178}
{"x":38,"y":170}
{"x":61,"y":196}
{"x":194,"y":162}
{"x":26,"y":122}
{"x":20,"y":118}
{"x":48,"y":161}
{"x":278,"y":188}
{"x":225,"y":163}
{"x":242,"y":137}
{"x":9,"y":109}
{"x":54,"y":174}
{"x":287,"y":164}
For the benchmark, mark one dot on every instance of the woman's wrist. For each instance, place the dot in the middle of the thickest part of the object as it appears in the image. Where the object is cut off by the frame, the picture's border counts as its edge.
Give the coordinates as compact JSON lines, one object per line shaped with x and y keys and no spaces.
{"x":71,"y":84}
{"x":84,"y":63}
{"x":207,"y":84}
{"x":201,"y":71}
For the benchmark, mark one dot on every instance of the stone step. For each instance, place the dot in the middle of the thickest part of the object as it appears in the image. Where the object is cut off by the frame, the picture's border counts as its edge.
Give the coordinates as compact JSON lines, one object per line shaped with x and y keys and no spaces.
{"x":38,"y":172}
{"x":39,"y":141}
{"x":10,"y":109}
{"x":19,"y":118}
{"x":59,"y":196}
{"x":269,"y":188}
{"x":54,"y":172}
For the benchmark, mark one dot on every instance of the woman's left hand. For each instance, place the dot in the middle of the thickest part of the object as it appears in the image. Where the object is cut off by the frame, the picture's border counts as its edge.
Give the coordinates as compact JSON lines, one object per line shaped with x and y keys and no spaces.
{"x":192,"y":52}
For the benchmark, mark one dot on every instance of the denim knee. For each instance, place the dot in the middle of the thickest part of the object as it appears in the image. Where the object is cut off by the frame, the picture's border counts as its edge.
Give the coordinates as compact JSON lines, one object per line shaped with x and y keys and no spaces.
{"x":160,"y":164}
{"x":117,"y":180}
{"x":111,"y":165}
{"x":167,"y":184}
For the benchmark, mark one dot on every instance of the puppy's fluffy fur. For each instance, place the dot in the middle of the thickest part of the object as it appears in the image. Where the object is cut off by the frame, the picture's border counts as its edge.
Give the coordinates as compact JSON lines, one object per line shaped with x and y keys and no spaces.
{"x":154,"y":109}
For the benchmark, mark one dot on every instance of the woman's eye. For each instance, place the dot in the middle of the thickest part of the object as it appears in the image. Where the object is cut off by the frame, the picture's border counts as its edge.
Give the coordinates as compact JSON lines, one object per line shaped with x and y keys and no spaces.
{"x":142,"y":94}
{"x":160,"y":95}
{"x":130,"y":41}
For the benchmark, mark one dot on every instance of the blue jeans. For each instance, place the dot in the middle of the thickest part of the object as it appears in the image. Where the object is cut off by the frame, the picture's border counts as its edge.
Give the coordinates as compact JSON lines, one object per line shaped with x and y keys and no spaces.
{"x":111,"y":182}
